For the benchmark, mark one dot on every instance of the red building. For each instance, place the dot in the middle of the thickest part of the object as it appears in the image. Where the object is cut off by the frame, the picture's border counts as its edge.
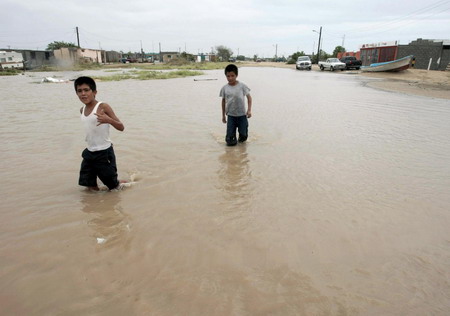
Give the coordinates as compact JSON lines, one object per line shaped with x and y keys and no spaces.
{"x":345,"y":54}
{"x":378,"y":52}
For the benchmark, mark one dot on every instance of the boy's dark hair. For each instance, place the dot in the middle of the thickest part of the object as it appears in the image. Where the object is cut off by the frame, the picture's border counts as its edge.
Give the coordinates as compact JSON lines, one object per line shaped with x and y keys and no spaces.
{"x":231,"y":68}
{"x":85,"y":80}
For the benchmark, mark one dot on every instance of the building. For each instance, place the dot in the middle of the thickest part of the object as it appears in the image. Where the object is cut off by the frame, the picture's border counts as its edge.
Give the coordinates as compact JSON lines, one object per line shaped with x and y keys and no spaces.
{"x":357,"y":55}
{"x":112,"y":56}
{"x":37,"y":58}
{"x":34,"y":58}
{"x":429,"y":53}
{"x":378,"y":52}
{"x":165,"y":57}
{"x":68,"y":56}
{"x":205,"y":57}
{"x":11,"y":60}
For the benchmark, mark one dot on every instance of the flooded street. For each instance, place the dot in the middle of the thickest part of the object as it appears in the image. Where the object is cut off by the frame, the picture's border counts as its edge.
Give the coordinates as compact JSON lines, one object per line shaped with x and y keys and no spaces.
{"x":338,"y":204}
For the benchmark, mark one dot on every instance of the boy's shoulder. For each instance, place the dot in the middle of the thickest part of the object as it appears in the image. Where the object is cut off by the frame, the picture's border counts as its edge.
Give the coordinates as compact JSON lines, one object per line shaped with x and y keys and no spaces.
{"x":237,"y":85}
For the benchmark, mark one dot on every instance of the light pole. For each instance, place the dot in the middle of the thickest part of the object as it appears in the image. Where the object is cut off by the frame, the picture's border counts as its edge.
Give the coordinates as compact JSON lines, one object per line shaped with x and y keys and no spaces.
{"x":318,"y":46}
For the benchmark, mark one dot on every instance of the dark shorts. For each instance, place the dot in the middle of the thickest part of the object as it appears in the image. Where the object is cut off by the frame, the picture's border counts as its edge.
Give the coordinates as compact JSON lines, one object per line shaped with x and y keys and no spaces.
{"x":101,"y":164}
{"x":241,"y":124}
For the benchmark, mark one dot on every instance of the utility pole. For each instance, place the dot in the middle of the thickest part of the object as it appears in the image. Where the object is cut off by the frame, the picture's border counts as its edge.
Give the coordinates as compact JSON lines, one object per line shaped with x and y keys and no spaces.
{"x":343,"y":39}
{"x":100,"y":48}
{"x":142,"y":53}
{"x":153,"y":52}
{"x":318,"y":46}
{"x":78,"y":37}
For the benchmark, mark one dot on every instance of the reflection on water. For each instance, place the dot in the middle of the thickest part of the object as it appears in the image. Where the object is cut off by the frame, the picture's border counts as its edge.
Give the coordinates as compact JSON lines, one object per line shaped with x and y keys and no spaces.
{"x":235,"y":175}
{"x":109,"y":223}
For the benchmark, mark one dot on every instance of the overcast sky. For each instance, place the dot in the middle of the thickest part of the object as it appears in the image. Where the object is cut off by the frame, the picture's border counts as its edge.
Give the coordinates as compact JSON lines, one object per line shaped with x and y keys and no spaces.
{"x":247,"y":27}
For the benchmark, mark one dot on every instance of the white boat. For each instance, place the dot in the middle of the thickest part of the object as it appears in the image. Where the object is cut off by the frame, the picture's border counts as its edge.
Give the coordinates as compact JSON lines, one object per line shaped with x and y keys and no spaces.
{"x":394,"y":65}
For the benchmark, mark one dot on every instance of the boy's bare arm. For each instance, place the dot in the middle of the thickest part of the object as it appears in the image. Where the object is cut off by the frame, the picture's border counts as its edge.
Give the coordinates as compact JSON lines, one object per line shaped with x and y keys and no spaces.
{"x":224,"y":117}
{"x":106,"y":115}
{"x":249,"y":106}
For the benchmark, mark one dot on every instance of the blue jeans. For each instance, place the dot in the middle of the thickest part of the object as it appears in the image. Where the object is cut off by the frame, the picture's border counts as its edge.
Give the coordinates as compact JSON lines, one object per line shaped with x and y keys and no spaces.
{"x":239,"y":122}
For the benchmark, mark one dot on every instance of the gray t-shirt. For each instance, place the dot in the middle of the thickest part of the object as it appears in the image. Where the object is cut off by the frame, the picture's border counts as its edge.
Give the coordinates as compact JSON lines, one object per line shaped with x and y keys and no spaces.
{"x":235,"y":98}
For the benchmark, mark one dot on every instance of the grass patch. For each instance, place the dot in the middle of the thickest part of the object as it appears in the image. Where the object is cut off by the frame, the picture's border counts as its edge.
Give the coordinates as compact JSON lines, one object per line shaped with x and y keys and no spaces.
{"x":117,"y":77}
{"x":173,"y":66}
{"x":77,"y":67}
{"x":150,"y":75}
{"x":10,"y":72}
{"x":146,"y":75}
{"x":87,"y":66}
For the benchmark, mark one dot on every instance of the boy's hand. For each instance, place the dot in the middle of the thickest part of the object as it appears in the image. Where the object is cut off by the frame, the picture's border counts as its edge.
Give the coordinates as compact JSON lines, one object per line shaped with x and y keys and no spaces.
{"x":102,"y":118}
{"x":224,"y":119}
{"x":249,"y":114}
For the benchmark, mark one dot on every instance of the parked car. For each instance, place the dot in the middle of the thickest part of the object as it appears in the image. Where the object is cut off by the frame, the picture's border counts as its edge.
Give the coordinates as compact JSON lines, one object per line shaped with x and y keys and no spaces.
{"x":128,"y":60}
{"x":332,"y":64}
{"x":351,"y":62}
{"x":303,"y":62}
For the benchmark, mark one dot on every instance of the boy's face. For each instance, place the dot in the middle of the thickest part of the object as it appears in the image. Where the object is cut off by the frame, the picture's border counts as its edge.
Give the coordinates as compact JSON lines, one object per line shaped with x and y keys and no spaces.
{"x":85,"y":94}
{"x":231,"y":77}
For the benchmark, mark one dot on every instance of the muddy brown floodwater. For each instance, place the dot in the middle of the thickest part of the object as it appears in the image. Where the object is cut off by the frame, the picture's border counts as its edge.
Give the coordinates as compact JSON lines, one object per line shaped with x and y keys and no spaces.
{"x":338,"y":204}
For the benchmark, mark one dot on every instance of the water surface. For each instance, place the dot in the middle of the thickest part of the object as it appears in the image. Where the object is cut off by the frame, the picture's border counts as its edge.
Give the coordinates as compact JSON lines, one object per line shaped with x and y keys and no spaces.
{"x":338,"y":204}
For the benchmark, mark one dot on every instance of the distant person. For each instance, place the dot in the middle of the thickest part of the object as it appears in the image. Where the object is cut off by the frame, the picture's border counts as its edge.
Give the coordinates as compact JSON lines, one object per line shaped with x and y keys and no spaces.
{"x":98,"y":158}
{"x":233,"y":106}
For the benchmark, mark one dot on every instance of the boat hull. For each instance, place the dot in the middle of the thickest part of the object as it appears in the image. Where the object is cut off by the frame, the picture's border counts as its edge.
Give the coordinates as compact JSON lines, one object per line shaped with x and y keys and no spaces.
{"x":395,"y":65}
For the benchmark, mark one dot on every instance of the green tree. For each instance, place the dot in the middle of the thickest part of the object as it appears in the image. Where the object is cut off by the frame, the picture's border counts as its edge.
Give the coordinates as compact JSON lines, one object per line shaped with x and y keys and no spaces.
{"x":223,"y":52}
{"x":323,"y":55}
{"x":294,"y":56}
{"x":188,"y":57}
{"x":240,"y":57}
{"x":57,"y":45}
{"x":337,"y":50}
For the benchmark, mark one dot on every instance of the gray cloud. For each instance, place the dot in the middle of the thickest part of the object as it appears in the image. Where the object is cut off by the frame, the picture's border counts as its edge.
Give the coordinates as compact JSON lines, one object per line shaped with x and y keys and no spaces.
{"x":250,"y":27}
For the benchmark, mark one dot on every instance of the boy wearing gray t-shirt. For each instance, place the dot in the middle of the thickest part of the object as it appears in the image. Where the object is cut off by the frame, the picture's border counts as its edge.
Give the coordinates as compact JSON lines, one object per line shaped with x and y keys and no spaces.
{"x":233,"y":106}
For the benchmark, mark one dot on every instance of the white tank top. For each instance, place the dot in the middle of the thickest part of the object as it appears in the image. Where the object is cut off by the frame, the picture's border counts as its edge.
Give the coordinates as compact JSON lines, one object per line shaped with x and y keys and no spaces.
{"x":97,"y":137}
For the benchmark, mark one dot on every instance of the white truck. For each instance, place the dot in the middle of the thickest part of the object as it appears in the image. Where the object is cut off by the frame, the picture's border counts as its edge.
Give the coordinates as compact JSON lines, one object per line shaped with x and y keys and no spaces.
{"x":303,"y":62}
{"x":332,"y":64}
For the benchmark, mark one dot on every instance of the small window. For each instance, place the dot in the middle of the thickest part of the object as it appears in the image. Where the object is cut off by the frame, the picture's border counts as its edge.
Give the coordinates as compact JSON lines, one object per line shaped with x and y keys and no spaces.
{"x":3,"y":60}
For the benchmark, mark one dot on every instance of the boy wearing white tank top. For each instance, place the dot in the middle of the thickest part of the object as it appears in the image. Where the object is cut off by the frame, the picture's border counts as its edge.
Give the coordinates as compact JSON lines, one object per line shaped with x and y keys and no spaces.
{"x":99,"y":159}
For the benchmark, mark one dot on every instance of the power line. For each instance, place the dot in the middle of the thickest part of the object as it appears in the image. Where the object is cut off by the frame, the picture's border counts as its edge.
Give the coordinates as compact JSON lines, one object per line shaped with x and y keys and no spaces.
{"x":400,"y":21}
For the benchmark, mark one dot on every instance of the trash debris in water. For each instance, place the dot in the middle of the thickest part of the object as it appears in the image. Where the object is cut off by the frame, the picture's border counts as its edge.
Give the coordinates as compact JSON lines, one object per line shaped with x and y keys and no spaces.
{"x":53,"y":80}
